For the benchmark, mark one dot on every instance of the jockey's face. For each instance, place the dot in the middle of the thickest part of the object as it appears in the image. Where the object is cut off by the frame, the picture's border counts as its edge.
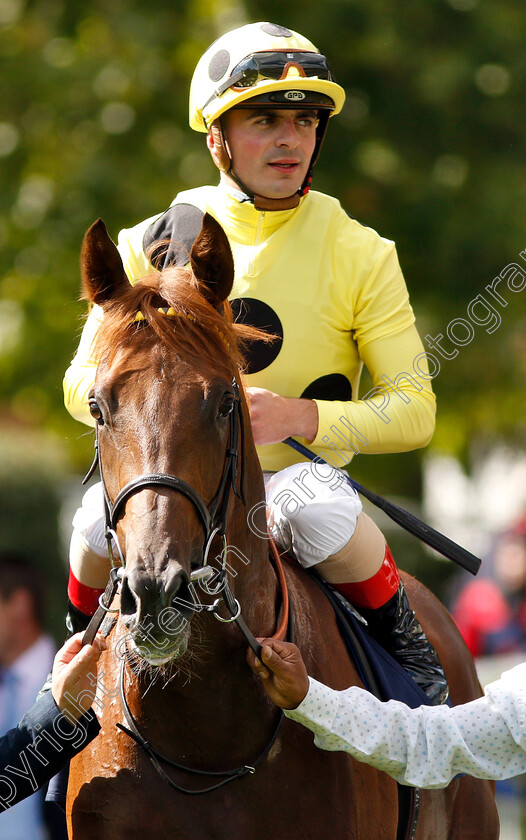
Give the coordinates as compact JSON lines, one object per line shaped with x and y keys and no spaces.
{"x":270,"y":148}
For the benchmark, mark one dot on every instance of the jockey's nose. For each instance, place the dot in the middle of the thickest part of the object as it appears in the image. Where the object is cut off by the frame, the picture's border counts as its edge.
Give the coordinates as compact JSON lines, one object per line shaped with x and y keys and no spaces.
{"x":287,"y":135}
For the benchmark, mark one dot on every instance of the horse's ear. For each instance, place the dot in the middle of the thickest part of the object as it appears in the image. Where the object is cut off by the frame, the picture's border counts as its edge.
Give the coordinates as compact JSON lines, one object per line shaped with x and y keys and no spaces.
{"x":212,"y":262}
{"x":102,"y":271}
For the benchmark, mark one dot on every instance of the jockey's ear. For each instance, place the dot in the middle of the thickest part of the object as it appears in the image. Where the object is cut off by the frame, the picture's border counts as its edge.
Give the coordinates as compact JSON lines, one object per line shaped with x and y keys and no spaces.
{"x":212,"y":262}
{"x":101,"y":268}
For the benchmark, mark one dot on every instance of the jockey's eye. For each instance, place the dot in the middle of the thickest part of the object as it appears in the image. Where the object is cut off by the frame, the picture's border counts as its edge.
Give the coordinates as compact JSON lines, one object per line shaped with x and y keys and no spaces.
{"x":227,"y":406}
{"x":95,"y":411}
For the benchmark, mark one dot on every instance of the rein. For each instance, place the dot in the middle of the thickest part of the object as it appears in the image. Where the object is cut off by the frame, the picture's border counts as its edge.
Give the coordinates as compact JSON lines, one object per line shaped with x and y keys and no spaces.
{"x":156,"y":758}
{"x":284,"y":630}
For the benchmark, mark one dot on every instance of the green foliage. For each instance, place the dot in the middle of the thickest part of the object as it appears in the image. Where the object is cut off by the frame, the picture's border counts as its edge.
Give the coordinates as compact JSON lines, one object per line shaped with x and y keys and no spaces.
{"x":429,"y":150}
{"x":94,"y":115}
{"x":31,"y":471}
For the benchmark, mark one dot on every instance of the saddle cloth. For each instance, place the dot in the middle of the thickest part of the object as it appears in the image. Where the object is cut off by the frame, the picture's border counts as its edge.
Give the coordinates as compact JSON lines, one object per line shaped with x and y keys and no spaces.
{"x":382,"y":675}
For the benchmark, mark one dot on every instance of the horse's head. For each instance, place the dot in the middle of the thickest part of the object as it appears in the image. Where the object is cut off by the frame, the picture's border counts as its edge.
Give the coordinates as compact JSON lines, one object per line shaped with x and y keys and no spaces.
{"x":168,"y":414}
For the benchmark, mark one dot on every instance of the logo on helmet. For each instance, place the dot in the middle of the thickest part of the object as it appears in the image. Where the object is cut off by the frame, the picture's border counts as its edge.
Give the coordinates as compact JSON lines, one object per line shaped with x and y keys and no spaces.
{"x":294,"y":95}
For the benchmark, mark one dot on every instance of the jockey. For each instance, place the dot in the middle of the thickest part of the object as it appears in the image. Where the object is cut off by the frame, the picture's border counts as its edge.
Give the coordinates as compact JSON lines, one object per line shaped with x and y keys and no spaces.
{"x":332,"y":293}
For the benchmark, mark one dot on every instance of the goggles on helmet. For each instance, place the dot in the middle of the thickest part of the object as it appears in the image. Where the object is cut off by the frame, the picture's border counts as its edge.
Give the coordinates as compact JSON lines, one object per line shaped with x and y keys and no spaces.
{"x":274,"y":64}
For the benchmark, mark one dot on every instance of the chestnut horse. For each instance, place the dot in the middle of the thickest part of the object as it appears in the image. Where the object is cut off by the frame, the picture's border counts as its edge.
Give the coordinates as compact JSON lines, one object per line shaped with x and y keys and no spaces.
{"x":169,"y":416}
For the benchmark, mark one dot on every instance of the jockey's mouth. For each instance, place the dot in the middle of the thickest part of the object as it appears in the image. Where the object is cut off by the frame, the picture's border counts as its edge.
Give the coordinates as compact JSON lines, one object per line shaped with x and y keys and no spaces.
{"x":285,"y":165}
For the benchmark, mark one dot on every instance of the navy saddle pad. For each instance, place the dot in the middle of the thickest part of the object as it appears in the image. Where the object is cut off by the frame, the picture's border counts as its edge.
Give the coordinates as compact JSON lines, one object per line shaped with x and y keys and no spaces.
{"x":382,"y":675}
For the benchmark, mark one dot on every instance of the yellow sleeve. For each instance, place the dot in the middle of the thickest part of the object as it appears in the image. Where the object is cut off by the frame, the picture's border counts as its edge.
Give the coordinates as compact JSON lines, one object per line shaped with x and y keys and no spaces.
{"x":80,"y":375}
{"x":130,"y":245}
{"x":396,"y":415}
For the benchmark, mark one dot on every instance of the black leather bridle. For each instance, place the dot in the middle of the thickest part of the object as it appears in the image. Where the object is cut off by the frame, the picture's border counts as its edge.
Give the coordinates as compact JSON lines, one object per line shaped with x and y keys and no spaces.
{"x":213,"y":517}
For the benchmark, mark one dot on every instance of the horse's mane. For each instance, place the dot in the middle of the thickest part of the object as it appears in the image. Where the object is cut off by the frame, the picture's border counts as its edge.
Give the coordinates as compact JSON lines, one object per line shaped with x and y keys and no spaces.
{"x":198,"y":331}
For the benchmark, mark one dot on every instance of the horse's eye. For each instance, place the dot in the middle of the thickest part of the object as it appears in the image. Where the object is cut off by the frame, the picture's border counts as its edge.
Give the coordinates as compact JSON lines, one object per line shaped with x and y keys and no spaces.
{"x":95,"y":411}
{"x":227,"y":406}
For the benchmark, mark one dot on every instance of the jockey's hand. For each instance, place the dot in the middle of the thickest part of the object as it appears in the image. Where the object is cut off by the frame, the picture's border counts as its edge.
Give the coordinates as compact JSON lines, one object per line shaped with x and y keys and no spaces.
{"x":74,"y":676}
{"x":282,"y":672}
{"x":274,"y":418}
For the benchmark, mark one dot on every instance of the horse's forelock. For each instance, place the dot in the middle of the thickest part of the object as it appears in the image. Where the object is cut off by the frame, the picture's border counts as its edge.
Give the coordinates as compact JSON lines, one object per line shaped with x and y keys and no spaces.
{"x":197,"y":331}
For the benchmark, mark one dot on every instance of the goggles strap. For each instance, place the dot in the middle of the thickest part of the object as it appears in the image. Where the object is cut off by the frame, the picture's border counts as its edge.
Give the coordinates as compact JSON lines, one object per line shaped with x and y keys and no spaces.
{"x":290,"y":59}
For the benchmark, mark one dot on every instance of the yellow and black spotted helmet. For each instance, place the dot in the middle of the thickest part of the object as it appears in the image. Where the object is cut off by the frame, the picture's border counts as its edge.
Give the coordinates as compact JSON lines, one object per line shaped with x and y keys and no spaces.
{"x":278,"y":66}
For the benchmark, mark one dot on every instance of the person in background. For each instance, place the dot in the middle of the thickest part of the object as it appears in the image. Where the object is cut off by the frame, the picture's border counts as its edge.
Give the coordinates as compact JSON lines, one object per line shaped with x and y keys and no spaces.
{"x":424,"y":747}
{"x":56,"y":727}
{"x":490,"y":612}
{"x":26,"y":656}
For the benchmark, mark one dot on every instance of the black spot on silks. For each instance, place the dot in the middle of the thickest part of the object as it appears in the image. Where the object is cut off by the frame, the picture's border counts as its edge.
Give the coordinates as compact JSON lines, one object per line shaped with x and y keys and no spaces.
{"x":259,"y":354}
{"x":333,"y":386}
{"x":169,"y":240}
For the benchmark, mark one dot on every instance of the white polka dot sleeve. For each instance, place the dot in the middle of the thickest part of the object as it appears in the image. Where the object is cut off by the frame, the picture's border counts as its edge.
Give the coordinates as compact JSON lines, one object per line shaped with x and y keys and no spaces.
{"x":428,"y":746}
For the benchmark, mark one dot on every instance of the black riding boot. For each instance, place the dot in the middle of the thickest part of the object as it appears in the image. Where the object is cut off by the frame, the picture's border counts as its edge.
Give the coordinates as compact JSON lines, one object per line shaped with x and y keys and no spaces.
{"x":398,"y":630}
{"x":76,"y":621}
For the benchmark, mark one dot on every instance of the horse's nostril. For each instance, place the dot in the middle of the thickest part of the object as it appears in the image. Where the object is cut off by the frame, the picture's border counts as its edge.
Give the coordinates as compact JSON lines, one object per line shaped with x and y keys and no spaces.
{"x":144,"y":595}
{"x":128,"y":599}
{"x":183,"y":600}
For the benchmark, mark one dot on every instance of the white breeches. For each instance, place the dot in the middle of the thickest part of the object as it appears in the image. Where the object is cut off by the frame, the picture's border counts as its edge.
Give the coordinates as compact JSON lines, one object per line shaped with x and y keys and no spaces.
{"x":311,"y":510}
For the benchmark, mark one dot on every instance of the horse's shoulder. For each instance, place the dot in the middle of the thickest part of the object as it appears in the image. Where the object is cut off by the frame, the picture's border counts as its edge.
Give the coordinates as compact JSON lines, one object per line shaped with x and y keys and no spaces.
{"x":304,"y":589}
{"x":315,"y":630}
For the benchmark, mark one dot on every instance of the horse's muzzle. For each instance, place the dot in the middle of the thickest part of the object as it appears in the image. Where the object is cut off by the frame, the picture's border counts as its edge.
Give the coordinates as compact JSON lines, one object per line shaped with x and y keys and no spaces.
{"x":156,"y":611}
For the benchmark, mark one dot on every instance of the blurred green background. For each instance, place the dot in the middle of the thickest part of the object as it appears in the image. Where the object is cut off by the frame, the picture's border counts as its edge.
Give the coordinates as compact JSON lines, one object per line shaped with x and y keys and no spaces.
{"x":429,"y":150}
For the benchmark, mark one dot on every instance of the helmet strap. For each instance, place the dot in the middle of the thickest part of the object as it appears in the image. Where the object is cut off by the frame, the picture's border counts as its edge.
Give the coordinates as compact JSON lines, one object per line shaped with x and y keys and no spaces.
{"x":263,"y":202}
